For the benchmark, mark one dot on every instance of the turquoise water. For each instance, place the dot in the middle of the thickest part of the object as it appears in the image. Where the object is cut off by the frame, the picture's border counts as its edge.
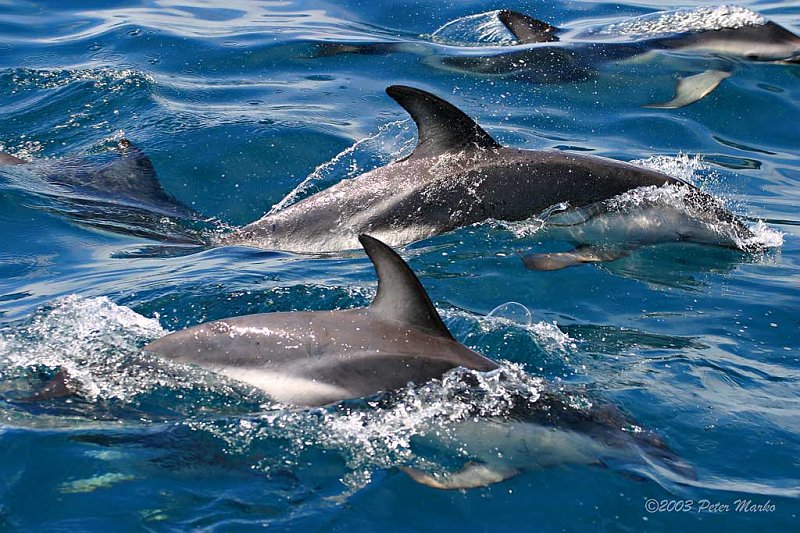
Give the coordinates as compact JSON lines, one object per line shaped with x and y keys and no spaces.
{"x":238,"y":114}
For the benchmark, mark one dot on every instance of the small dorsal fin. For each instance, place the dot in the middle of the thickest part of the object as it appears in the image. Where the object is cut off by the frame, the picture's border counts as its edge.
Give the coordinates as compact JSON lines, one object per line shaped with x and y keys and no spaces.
{"x":528,"y":30}
{"x":132,"y":175}
{"x":442,"y":127}
{"x":8,"y":159}
{"x":401,"y":297}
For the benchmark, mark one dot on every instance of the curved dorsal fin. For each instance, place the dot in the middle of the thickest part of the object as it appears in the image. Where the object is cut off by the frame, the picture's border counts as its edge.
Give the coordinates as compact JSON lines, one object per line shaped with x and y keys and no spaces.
{"x":401,"y":297}
{"x":8,"y":159}
{"x":442,"y":126}
{"x":528,"y":30}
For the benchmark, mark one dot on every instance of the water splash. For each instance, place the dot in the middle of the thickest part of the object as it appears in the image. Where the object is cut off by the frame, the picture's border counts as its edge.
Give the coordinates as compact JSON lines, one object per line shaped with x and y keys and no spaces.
{"x":93,"y":339}
{"x":682,"y":166}
{"x":514,"y":312}
{"x":391,"y":141}
{"x":381,"y":432}
{"x":479,"y":29}
{"x":681,"y":21}
{"x":513,"y":316}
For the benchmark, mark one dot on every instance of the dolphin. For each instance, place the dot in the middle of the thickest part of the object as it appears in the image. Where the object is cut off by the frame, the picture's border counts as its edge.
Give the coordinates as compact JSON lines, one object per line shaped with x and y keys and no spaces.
{"x":310,"y":359}
{"x":544,"y":53}
{"x":459,"y":175}
{"x":321,"y":357}
{"x":550,"y":431}
{"x":118,"y":191}
{"x":456,"y":176}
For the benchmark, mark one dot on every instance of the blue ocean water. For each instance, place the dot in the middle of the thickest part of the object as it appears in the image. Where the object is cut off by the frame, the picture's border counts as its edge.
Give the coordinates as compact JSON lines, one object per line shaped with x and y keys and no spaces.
{"x":238,"y":114}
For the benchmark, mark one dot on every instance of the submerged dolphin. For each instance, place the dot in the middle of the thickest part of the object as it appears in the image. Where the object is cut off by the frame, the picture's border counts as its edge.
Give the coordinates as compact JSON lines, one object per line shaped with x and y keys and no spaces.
{"x":545,"y":433}
{"x":458,"y":175}
{"x":128,"y":179}
{"x":118,"y":191}
{"x":547,"y":54}
{"x":318,"y":358}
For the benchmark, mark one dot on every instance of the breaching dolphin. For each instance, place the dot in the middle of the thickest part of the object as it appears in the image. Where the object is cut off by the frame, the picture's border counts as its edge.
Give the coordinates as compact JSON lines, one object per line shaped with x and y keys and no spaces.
{"x":317,"y":358}
{"x":543,"y":53}
{"x":459,"y":175}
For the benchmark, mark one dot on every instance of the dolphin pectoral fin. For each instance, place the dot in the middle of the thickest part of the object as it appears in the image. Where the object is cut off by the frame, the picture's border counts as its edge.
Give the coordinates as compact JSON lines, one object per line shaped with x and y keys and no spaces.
{"x":441,"y":126}
{"x":473,"y":475}
{"x":578,"y":256}
{"x":7,"y":159}
{"x":693,"y":88}
{"x":526,"y":29}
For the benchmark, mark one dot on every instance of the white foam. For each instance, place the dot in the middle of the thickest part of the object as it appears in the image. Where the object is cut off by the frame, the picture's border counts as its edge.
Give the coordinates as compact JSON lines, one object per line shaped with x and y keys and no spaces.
{"x":92,"y":339}
{"x":682,"y":21}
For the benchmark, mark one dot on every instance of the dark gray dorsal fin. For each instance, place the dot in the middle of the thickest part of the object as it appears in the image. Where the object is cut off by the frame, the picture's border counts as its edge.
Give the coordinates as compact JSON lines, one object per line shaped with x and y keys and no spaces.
{"x":8,"y":159}
{"x":401,"y":297}
{"x":528,"y":30}
{"x":132,"y":175}
{"x":442,"y":126}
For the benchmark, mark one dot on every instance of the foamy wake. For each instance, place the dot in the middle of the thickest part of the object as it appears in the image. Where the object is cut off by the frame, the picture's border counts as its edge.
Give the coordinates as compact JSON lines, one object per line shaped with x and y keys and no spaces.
{"x":682,"y":21}
{"x":96,"y":341}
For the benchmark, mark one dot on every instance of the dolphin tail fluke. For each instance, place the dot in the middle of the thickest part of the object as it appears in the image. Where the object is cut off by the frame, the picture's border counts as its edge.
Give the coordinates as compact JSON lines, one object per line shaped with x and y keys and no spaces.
{"x":472,"y":476}
{"x":693,"y":88}
{"x":578,"y":256}
{"x":526,"y":29}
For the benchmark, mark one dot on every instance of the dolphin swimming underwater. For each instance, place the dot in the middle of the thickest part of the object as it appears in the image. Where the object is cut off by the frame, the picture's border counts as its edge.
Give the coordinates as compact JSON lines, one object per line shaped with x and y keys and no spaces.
{"x":116,"y":191}
{"x":543,"y":53}
{"x":548,"y":432}
{"x":128,"y":178}
{"x":459,"y":175}
{"x":310,"y":359}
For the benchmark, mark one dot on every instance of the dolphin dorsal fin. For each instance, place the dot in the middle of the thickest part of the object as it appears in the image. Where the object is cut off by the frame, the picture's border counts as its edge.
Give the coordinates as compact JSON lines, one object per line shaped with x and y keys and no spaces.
{"x":528,"y":30}
{"x":401,"y":297}
{"x":442,"y":126}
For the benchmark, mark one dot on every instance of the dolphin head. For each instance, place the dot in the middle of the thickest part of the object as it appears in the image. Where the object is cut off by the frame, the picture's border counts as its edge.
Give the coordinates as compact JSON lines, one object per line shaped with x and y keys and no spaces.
{"x":771,"y":43}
